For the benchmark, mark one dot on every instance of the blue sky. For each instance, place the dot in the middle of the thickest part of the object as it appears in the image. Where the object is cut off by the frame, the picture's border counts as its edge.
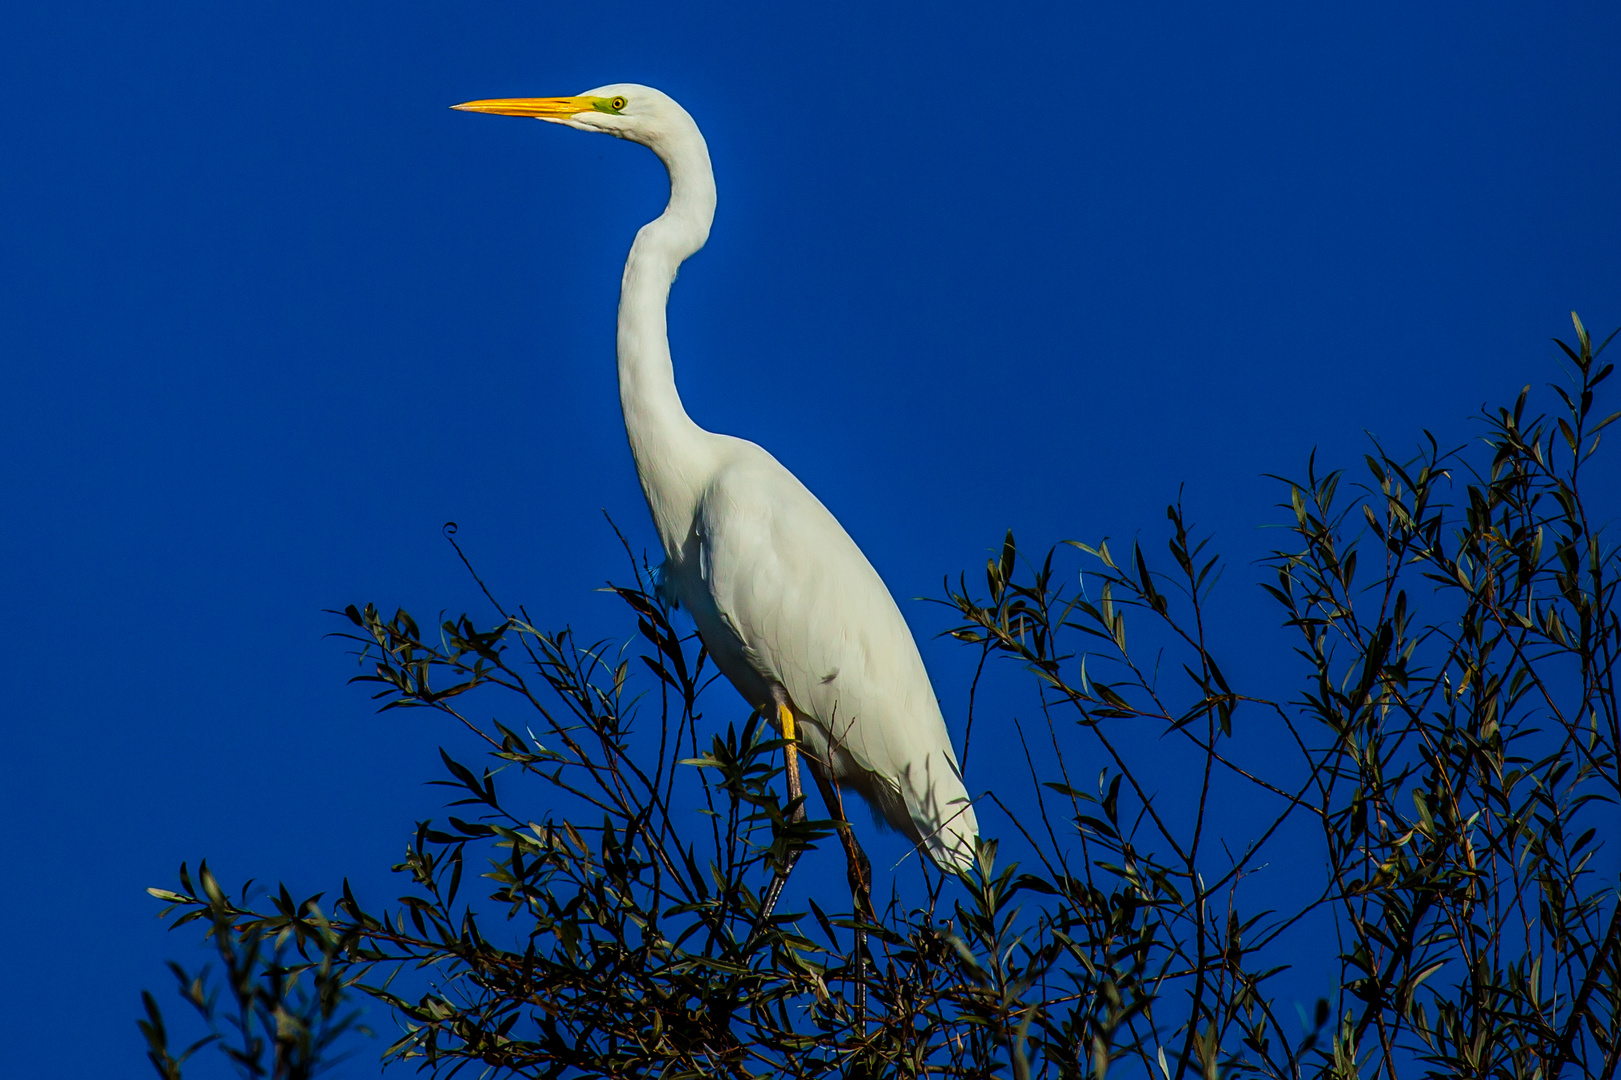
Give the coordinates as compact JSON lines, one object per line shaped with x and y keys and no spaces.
{"x":273,"y":314}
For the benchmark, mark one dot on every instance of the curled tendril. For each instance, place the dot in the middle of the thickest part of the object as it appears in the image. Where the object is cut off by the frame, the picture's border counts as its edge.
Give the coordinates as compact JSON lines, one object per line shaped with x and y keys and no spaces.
{"x":449,"y":529}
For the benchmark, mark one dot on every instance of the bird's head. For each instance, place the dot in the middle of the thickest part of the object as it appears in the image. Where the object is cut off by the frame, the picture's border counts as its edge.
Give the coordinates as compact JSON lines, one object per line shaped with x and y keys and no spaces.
{"x":625,"y":110}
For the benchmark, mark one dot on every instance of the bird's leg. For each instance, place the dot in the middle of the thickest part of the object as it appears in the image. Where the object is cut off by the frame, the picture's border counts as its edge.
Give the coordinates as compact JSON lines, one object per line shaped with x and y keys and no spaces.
{"x":796,"y":793}
{"x":859,"y":868}
{"x":790,"y":755}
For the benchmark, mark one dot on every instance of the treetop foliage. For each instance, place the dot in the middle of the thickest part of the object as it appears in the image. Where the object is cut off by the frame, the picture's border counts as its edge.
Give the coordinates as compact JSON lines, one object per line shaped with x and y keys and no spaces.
{"x":1436,"y":795}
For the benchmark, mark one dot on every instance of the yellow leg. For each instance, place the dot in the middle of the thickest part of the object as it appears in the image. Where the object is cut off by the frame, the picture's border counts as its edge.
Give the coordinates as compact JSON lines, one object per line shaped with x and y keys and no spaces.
{"x":790,"y":753}
{"x":768,"y":899}
{"x":860,"y":870}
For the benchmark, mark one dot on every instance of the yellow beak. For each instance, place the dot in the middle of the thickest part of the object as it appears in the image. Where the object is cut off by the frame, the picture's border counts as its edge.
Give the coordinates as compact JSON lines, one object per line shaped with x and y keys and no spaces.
{"x":545,"y":108}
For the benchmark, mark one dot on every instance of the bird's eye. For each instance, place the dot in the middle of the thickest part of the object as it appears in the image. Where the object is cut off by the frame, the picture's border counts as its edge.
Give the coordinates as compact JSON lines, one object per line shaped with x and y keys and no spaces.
{"x":618,"y":103}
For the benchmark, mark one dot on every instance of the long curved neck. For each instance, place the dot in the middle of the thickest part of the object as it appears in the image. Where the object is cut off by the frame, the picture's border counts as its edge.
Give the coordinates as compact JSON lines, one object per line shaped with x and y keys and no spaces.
{"x":674,"y":456}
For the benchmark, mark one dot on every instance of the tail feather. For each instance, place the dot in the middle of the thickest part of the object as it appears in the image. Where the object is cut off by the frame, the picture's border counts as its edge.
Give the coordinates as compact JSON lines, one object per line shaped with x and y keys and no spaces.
{"x":942,"y":814}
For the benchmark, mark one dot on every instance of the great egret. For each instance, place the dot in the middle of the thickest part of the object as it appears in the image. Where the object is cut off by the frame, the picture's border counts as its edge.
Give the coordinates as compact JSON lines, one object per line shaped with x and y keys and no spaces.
{"x":787,"y":605}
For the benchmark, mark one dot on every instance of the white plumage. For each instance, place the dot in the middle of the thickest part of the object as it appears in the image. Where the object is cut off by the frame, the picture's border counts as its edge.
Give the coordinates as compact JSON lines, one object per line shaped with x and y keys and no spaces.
{"x":788,"y":606}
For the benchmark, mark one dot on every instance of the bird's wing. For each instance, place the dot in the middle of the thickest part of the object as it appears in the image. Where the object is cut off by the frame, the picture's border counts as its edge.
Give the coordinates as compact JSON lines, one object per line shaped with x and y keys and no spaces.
{"x":813,"y":615}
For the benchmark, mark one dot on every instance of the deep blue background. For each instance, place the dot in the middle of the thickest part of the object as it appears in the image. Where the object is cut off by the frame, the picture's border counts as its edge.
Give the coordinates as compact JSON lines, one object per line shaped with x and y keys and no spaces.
{"x":272,"y":313}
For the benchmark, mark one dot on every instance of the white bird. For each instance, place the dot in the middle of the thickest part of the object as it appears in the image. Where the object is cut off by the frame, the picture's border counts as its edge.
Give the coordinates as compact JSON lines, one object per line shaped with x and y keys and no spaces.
{"x":787,"y":605}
